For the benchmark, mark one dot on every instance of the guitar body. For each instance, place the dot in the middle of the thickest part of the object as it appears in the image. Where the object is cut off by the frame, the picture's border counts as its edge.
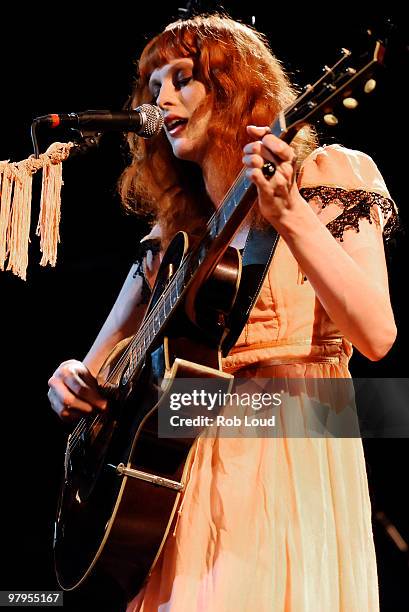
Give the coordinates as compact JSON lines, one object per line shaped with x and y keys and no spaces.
{"x":122,"y":483}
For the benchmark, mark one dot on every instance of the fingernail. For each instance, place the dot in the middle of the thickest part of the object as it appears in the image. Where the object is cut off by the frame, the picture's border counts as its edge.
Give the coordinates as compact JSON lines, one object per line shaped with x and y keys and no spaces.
{"x":260,"y":128}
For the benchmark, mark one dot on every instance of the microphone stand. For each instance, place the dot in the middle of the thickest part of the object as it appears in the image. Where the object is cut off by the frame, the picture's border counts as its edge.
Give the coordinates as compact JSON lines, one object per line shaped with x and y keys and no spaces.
{"x":84,"y":141}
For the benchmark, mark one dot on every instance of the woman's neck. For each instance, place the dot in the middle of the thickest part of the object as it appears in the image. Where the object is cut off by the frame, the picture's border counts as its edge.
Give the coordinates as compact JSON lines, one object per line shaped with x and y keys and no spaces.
{"x":215,"y":181}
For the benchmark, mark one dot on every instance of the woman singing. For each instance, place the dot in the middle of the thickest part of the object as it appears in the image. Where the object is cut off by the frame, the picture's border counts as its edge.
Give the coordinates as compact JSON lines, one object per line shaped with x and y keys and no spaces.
{"x":265,"y":524}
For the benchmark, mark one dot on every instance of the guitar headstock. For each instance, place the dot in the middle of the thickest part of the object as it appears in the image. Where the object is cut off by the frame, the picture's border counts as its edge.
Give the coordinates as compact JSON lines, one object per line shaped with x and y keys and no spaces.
{"x":342,"y":85}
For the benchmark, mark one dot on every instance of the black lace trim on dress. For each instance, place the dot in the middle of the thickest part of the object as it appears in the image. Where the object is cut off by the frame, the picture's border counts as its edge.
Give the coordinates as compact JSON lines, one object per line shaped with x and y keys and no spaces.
{"x":144,"y":247}
{"x":357,"y":204}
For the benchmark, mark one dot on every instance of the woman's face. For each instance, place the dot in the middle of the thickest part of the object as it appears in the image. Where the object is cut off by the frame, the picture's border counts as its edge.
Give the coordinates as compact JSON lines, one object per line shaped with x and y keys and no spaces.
{"x":178,"y":94}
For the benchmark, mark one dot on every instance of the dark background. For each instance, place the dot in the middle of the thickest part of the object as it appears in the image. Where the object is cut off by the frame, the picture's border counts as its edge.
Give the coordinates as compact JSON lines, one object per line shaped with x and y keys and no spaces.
{"x":77,"y":58}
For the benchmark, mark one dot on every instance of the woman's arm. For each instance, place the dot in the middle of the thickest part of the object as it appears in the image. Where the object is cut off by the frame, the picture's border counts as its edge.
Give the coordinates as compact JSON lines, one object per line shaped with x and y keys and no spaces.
{"x":123,"y":320}
{"x":73,"y":390}
{"x":350,"y":279}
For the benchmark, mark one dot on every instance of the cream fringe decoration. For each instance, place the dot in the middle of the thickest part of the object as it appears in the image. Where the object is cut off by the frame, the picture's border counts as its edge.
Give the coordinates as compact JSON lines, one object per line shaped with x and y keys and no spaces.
{"x":15,"y":208}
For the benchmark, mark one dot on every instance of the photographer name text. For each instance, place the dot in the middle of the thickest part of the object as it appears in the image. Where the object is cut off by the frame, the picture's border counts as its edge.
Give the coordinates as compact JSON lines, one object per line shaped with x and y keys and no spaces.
{"x":221,"y":421}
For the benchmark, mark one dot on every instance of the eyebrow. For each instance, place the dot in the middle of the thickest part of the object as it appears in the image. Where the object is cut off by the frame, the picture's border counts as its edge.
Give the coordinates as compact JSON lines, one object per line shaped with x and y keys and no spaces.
{"x":177,"y":66}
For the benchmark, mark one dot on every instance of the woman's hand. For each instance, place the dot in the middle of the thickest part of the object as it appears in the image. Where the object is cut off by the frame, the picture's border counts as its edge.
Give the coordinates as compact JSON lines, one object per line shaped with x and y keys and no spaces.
{"x":74,"y":391}
{"x":279,"y":194}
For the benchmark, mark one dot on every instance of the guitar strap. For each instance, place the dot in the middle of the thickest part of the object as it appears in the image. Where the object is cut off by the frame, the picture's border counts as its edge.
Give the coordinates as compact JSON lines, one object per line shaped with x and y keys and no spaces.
{"x":256,"y":258}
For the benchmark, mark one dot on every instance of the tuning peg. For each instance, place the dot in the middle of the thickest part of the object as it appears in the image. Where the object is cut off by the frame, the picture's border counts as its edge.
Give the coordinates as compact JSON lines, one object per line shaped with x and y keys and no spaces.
{"x":330,"y":119}
{"x":345,"y":52}
{"x":369,"y":85}
{"x":350,"y":103}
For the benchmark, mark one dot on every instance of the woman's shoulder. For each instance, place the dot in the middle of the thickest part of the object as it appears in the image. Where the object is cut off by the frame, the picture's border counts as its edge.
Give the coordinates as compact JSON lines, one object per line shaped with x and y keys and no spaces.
{"x":155,"y":234}
{"x":345,"y":185}
{"x":150,"y":243}
{"x":148,"y":254}
{"x":340,"y":167}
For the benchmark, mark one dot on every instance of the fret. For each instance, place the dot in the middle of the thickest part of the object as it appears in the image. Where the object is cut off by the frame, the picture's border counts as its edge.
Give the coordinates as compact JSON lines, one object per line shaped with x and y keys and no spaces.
{"x":180,"y":285}
{"x":187,"y":269}
{"x":174,"y":296}
{"x":229,"y":207}
{"x":166,"y":309}
{"x":241,"y":190}
{"x":131,"y":359}
{"x":150,"y":331}
{"x":225,"y":210}
{"x":201,"y":254}
{"x":213,"y":229}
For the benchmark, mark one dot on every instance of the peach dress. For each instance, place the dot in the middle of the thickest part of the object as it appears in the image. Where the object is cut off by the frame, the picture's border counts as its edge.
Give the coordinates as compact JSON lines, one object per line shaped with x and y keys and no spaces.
{"x":283,"y":524}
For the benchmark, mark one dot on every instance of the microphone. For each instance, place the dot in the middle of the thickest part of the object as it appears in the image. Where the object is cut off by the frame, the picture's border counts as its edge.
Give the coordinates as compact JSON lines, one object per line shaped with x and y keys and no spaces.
{"x":145,"y":120}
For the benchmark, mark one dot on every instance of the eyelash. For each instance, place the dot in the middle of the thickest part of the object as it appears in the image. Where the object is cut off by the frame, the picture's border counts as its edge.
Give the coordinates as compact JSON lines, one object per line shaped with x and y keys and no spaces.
{"x":179,"y":83}
{"x":183,"y":82}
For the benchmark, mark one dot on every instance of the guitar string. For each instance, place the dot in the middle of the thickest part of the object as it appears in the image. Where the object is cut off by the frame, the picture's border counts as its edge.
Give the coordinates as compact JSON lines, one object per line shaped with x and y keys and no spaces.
{"x":78,"y":431}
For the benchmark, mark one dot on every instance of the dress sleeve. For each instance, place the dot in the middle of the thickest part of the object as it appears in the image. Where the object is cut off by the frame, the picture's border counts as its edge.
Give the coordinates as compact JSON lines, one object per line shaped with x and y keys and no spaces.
{"x":148,"y":257}
{"x":344,"y":186}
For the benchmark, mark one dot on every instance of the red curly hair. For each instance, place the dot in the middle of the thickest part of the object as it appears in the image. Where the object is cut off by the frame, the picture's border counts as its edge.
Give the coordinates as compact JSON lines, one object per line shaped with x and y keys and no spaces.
{"x":246,"y":85}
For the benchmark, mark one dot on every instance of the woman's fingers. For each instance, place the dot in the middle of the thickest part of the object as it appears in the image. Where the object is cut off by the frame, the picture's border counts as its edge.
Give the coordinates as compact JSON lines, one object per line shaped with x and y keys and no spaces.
{"x":257,"y":177}
{"x":258,"y":131}
{"x":269,"y":146}
{"x":74,"y":391}
{"x":270,"y":164}
{"x":270,"y":149}
{"x":277,"y":147}
{"x":65,"y":404}
{"x":258,"y":161}
{"x":254,"y":161}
